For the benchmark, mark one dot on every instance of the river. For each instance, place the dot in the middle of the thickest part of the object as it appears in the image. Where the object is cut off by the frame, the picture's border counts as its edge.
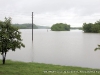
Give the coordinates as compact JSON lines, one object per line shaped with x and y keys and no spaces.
{"x":70,"y":48}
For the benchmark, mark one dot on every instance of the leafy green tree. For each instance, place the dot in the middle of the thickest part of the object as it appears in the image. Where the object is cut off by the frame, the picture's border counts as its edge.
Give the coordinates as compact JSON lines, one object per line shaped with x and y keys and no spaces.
{"x":60,"y":27}
{"x":87,"y":27}
{"x":95,"y":28}
{"x":10,"y":38}
{"x":92,"y":28}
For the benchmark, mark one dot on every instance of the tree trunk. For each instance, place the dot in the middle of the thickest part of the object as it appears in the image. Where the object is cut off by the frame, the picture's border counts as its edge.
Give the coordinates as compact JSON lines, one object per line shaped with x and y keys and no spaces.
{"x":4,"y":57}
{"x":3,"y":60}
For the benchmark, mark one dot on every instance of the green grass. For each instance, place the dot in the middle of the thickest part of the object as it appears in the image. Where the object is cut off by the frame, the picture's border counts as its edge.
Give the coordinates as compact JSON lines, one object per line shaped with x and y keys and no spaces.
{"x":22,"y":68}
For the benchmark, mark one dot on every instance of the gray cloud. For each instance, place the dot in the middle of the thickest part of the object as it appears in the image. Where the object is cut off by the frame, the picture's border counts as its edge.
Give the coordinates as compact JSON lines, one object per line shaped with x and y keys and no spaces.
{"x":42,"y":6}
{"x":47,"y":12}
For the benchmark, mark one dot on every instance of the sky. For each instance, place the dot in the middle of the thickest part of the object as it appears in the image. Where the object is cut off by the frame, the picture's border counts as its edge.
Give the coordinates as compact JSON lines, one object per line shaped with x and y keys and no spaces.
{"x":49,"y":12}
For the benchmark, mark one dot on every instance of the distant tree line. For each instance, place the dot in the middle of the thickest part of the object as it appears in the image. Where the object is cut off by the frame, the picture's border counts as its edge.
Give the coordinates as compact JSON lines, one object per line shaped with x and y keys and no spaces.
{"x":29,"y":26}
{"x":80,"y":28}
{"x":92,"y":28}
{"x":87,"y":27}
{"x":60,"y":27}
{"x":25,"y":26}
{"x":43,"y":27}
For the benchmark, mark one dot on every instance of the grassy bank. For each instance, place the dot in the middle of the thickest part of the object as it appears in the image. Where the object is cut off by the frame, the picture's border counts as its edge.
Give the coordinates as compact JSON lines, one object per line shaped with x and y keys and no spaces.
{"x":21,"y":68}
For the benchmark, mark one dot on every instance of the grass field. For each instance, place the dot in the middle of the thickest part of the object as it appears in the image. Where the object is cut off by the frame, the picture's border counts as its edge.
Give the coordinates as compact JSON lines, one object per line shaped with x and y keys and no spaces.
{"x":22,"y":68}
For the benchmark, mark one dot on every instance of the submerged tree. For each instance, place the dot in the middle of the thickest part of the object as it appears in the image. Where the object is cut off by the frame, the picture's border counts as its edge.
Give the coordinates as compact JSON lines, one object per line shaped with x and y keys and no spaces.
{"x":10,"y":38}
{"x":98,"y":48}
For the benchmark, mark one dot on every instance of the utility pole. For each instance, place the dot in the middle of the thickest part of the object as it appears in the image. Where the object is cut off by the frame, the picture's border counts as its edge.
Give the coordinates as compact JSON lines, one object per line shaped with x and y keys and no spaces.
{"x":32,"y":26}
{"x":32,"y":36}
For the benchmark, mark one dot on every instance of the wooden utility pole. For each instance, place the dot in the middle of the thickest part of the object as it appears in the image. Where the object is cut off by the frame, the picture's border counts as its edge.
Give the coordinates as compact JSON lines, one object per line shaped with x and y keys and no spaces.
{"x":32,"y":36}
{"x":32,"y":26}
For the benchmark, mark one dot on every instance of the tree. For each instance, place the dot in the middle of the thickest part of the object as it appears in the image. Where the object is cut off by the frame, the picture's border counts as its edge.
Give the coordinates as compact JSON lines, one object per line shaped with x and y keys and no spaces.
{"x":10,"y":38}
{"x":92,"y":28}
{"x":60,"y":27}
{"x":95,"y":28}
{"x":87,"y":27}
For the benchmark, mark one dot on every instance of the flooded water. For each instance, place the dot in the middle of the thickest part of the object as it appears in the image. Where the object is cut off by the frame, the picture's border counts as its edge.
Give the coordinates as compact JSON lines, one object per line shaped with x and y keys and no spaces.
{"x":70,"y":48}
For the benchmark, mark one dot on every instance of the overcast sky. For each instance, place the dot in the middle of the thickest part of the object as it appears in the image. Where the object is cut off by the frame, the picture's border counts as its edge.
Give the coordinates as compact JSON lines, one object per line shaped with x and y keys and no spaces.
{"x":49,"y":12}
